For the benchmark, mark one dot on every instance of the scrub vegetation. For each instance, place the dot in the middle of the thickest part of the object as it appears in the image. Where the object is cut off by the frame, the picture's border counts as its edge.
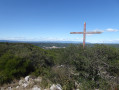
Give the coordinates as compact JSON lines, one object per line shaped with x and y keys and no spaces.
{"x":95,"y":67}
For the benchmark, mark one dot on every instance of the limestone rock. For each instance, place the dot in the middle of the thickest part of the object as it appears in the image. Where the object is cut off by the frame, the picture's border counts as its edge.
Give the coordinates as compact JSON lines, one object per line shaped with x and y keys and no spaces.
{"x":27,"y":78}
{"x":25,"y":85}
{"x":56,"y":87}
{"x":59,"y":87}
{"x":21,"y":82}
{"x":29,"y":83}
{"x":17,"y":87}
{"x":38,"y":79}
{"x":36,"y":88}
{"x":9,"y":88}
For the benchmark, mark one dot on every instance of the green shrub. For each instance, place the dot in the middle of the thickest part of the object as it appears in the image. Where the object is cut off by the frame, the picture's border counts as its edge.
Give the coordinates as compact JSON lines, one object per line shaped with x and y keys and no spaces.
{"x":12,"y":67}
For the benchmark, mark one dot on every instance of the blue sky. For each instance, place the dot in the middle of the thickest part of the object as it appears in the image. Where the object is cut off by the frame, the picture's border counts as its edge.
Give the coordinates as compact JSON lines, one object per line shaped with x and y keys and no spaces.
{"x":53,"y":20}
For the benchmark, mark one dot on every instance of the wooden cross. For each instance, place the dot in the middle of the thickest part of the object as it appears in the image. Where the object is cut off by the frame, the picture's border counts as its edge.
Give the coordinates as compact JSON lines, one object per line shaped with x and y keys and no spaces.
{"x":84,"y":33}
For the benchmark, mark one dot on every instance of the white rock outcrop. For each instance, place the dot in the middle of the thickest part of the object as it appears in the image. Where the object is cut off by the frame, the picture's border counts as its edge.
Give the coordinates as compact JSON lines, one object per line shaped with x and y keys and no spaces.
{"x":56,"y":87}
{"x":28,"y":83}
{"x":17,"y":87}
{"x":36,"y":88}
{"x":27,"y":78}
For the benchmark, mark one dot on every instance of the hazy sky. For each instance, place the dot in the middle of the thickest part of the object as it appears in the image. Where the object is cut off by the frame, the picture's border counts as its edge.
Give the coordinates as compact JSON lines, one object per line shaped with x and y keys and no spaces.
{"x":52,"y":20}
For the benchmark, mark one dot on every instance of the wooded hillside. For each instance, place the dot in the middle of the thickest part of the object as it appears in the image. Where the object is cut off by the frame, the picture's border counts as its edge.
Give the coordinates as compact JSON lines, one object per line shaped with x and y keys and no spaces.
{"x":92,"y":67}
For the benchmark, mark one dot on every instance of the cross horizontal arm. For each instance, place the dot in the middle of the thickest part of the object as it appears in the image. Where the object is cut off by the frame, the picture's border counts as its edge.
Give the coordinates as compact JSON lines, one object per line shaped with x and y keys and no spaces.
{"x":93,"y":32}
{"x":76,"y":32}
{"x":85,"y":32}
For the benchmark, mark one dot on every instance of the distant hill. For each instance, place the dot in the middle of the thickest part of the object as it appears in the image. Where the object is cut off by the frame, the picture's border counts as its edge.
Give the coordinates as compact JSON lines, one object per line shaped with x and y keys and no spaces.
{"x":43,"y":44}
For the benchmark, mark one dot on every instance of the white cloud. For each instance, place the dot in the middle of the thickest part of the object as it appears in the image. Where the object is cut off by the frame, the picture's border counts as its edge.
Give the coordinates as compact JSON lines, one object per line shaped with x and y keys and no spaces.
{"x":19,"y":39}
{"x":116,"y":40}
{"x":89,"y":34}
{"x":106,"y":30}
{"x":98,"y":30}
{"x":110,"y":41}
{"x":13,"y":38}
{"x":111,"y":30}
{"x":41,"y":39}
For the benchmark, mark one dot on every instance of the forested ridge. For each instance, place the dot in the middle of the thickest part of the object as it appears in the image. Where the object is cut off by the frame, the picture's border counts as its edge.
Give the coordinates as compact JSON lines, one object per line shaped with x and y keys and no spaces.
{"x":47,"y":44}
{"x":95,"y":67}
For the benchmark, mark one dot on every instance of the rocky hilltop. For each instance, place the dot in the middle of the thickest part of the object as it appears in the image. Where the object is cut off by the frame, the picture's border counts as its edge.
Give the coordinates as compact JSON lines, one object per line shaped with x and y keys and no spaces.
{"x":30,"y":83}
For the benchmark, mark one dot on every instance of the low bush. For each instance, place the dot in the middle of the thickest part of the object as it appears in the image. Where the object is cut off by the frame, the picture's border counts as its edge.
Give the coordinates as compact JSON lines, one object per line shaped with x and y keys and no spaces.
{"x":12,"y":67}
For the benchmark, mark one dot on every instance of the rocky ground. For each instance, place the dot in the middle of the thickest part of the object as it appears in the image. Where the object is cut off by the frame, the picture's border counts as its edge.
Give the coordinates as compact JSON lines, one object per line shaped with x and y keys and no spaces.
{"x":30,"y":83}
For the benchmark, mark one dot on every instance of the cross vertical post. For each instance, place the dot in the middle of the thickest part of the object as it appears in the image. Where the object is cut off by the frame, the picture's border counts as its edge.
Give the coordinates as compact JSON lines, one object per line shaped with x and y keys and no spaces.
{"x":84,"y":34}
